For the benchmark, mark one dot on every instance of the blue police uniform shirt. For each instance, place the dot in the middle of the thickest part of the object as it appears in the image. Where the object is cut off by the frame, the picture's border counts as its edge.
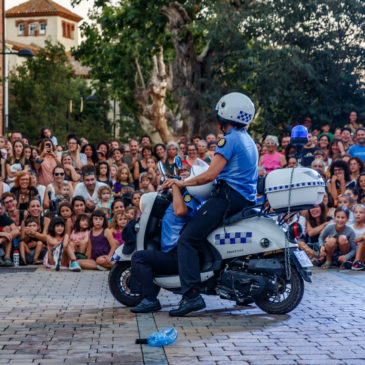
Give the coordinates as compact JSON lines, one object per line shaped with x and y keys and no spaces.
{"x":240,"y":171}
{"x":172,"y":225}
{"x":357,"y":151}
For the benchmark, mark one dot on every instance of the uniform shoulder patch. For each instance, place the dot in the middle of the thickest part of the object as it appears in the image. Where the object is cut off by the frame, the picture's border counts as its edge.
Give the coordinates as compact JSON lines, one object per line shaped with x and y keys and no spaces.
{"x":222,"y":142}
{"x":187,"y":198}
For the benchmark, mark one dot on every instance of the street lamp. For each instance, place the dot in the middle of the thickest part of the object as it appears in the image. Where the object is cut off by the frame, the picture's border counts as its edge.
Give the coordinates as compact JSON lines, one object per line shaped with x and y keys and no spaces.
{"x":25,"y":52}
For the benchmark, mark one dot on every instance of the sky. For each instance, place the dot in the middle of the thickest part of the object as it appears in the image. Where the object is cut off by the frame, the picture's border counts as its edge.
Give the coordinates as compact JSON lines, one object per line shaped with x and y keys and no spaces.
{"x":80,"y":9}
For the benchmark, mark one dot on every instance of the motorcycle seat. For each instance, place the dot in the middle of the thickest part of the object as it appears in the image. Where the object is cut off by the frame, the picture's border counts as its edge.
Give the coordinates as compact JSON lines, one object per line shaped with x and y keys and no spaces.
{"x":243,"y":214}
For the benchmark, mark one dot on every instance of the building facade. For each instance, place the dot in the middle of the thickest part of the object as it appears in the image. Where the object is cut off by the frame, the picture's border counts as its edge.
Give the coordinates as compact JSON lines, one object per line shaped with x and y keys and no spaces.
{"x":37,"y":21}
{"x":30,"y":25}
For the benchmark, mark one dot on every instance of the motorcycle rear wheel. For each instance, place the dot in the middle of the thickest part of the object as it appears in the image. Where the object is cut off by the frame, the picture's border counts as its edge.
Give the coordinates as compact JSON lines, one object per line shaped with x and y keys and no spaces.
{"x":119,"y":277}
{"x":287,"y":296}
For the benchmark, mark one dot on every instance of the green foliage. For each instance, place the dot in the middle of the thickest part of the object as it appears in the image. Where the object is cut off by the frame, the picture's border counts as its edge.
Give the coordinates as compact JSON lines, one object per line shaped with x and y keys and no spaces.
{"x":294,"y":58}
{"x":310,"y":59}
{"x":118,"y":36}
{"x":41,"y":91}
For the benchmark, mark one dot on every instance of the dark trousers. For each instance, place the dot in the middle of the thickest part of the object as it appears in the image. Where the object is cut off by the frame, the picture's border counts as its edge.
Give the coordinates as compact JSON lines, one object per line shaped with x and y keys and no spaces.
{"x":146,"y":265}
{"x":226,"y":202}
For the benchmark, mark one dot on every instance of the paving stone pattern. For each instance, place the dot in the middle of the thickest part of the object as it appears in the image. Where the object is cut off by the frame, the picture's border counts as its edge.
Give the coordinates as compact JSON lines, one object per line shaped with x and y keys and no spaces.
{"x":49,"y":317}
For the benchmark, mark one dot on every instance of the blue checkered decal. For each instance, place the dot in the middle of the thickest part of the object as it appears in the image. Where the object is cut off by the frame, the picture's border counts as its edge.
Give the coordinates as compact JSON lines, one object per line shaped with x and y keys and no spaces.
{"x":233,"y":238}
{"x":298,"y":185}
{"x":244,"y":117}
{"x":117,"y":255}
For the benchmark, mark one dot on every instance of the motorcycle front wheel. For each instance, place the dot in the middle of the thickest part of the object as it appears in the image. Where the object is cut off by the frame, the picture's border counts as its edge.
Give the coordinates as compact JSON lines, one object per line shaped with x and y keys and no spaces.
{"x":286,"y":296}
{"x":119,"y":278}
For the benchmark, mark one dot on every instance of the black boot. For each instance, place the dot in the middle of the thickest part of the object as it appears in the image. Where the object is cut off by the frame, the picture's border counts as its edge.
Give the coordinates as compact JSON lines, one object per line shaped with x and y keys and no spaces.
{"x":188,"y":305}
{"x":147,"y":306}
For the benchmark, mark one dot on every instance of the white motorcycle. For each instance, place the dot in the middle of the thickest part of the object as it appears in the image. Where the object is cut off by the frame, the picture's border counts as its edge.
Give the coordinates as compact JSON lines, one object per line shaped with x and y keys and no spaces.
{"x":251,"y":257}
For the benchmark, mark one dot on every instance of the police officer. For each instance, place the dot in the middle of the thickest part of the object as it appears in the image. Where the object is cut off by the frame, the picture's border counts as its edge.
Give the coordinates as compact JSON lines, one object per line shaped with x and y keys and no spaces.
{"x":148,"y":263}
{"x":234,"y":167}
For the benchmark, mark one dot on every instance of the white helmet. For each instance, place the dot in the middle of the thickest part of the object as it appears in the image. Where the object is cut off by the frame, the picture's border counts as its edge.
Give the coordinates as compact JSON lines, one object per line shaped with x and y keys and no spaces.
{"x":235,"y":107}
{"x":201,"y":192}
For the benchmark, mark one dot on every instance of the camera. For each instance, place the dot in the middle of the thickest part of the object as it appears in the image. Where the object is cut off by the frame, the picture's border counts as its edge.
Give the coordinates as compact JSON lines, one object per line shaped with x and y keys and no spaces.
{"x":48,"y":145}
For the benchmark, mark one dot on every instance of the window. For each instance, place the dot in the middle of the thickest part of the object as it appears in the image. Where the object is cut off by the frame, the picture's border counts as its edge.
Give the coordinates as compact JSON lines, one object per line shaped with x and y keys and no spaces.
{"x":32,"y":28}
{"x":21,"y":29}
{"x":68,"y":30}
{"x":42,"y":28}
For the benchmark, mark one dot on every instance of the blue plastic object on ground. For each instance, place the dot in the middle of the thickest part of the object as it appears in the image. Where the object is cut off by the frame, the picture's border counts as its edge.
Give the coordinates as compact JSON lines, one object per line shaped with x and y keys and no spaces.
{"x":162,"y":338}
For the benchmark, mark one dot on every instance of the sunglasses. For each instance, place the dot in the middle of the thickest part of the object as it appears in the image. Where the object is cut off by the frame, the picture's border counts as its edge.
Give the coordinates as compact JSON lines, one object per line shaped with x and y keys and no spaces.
{"x":59,"y":174}
{"x":8,"y":201}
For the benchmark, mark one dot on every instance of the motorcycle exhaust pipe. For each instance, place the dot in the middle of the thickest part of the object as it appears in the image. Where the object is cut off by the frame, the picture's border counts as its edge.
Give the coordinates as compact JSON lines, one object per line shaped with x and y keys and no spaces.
{"x":267,"y":266}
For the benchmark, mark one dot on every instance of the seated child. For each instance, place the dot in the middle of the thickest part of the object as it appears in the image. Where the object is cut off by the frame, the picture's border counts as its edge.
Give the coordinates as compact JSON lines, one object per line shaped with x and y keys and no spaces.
{"x":101,"y":245}
{"x":65,"y":193}
{"x":359,"y":228}
{"x":345,"y":200}
{"x":80,"y":236}
{"x":119,"y":221}
{"x":29,"y":243}
{"x":136,"y":197}
{"x":131,"y":213}
{"x":105,"y":198}
{"x":107,"y":216}
{"x":337,"y":241}
{"x":145,"y":182}
{"x":359,"y":221}
{"x":65,"y":211}
{"x":124,"y":178}
{"x":60,"y":254}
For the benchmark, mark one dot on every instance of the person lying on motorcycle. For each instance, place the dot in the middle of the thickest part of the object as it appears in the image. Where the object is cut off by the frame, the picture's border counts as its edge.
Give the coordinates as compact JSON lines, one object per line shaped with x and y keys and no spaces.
{"x":147,"y":263}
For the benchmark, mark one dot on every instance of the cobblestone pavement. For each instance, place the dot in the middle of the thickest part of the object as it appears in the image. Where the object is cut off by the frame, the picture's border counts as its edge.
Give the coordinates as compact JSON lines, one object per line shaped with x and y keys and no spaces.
{"x":49,"y":317}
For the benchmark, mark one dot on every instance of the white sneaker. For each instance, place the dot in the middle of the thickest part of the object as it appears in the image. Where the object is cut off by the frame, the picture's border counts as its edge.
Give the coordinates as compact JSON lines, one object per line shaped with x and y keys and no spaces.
{"x":101,"y":268}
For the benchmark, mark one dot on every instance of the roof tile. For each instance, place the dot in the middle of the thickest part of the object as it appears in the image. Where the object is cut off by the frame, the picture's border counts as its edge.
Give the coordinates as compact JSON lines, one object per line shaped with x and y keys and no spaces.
{"x":33,"y":8}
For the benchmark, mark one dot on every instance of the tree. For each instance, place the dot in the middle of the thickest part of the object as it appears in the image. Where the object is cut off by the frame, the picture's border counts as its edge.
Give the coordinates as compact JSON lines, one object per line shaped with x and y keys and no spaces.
{"x":294,"y":58}
{"x":42,"y":92}
{"x":310,"y":60}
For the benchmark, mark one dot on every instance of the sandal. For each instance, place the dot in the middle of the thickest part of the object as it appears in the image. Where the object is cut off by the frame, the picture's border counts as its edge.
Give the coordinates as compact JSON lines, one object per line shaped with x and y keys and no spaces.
{"x":326,"y":265}
{"x":346,"y":265}
{"x":38,"y":262}
{"x":8,"y":262}
{"x":318,"y":261}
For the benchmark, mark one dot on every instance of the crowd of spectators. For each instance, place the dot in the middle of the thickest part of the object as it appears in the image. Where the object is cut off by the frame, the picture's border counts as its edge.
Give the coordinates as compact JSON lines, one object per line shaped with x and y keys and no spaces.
{"x":333,"y":233}
{"x":65,"y":205}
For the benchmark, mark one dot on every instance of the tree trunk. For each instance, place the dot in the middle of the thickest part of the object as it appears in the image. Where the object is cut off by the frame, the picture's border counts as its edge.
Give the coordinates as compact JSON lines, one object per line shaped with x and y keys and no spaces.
{"x":157,"y":87}
{"x":154,"y":114}
{"x":187,"y":71}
